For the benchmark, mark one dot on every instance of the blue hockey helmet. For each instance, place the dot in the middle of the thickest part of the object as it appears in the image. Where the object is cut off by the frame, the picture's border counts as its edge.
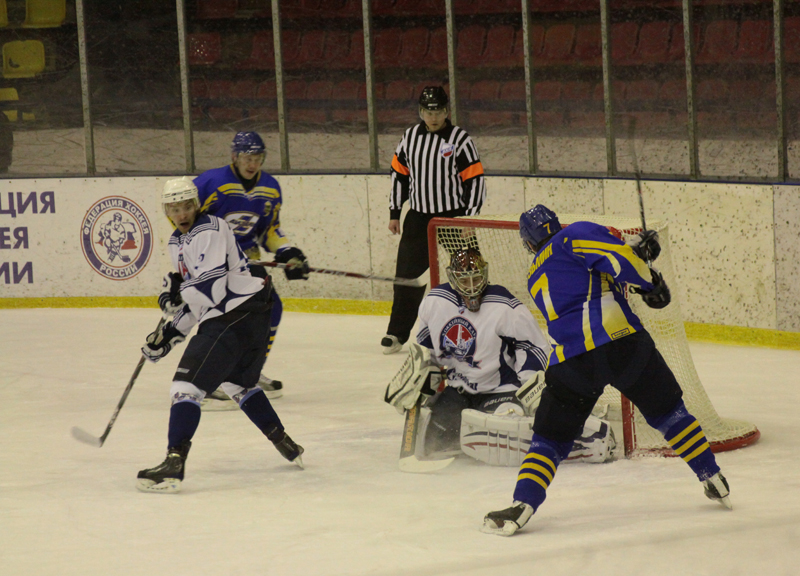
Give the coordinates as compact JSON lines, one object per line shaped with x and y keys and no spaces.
{"x":247,"y":143}
{"x":537,"y":226}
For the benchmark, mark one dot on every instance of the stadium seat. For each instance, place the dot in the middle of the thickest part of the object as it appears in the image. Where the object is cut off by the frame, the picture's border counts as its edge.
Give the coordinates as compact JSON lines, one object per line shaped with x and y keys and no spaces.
{"x":262,"y":52}
{"x":198,"y":88}
{"x":216,"y":9}
{"x":414,"y":49}
{"x":23,"y":58}
{"x":220,"y":89}
{"x":3,"y":14}
{"x":499,"y":49}
{"x":266,"y":90}
{"x":719,"y":42}
{"x":312,"y":48}
{"x":547,"y":90}
{"x":673,"y":90}
{"x":588,"y":44}
{"x":469,"y":49}
{"x":400,"y":90}
{"x":755,"y":42}
{"x":640,"y":90}
{"x":580,"y":90}
{"x":205,"y":48}
{"x":677,"y":50}
{"x":388,"y":43}
{"x":654,"y":43}
{"x":320,"y":90}
{"x":624,"y":36}
{"x":512,"y":90}
{"x":410,"y":8}
{"x":337,"y":46}
{"x":354,"y":58}
{"x":537,"y":42}
{"x":290,"y":48}
{"x":437,"y":49}
{"x":479,"y":7}
{"x":350,"y":90}
{"x":558,"y":42}
{"x":712,"y":89}
{"x":485,"y":90}
{"x":294,"y":89}
{"x":791,"y":39}
{"x":44,"y":13}
{"x":244,"y":89}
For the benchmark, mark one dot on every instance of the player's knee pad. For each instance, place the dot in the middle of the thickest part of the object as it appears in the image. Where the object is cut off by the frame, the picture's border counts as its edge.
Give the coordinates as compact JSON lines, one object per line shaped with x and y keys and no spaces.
{"x":499,"y":440}
{"x":595,"y":444}
{"x":238,"y":393}
{"x":185,"y":392}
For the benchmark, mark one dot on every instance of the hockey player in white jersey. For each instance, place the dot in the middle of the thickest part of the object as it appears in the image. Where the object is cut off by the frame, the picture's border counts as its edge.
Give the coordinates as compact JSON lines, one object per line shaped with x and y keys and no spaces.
{"x":494,"y":355}
{"x":214,"y":289}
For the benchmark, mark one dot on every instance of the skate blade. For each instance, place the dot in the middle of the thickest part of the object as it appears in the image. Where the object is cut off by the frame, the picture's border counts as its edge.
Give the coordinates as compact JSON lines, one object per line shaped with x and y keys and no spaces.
{"x":508,"y":529}
{"x":168,"y":486}
{"x":725,"y":502}
{"x":299,"y":462}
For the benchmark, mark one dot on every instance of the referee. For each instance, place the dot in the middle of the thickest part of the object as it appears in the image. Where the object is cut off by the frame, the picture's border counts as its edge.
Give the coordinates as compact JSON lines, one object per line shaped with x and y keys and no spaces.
{"x":437,"y":169}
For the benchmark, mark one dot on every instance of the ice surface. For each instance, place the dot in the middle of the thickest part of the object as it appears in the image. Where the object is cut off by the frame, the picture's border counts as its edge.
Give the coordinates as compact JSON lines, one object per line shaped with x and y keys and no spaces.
{"x":70,"y":509}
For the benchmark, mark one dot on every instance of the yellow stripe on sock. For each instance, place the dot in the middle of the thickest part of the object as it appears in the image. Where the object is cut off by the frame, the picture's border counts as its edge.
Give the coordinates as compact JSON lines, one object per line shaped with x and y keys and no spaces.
{"x":544,"y":459}
{"x":534,"y":466}
{"x":676,"y":439}
{"x":533,"y":477}
{"x":701,"y":449}
{"x":700,"y":435}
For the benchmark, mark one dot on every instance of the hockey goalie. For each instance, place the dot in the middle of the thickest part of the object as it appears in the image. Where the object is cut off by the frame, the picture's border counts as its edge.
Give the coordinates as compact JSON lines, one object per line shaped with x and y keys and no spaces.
{"x":476,"y":373}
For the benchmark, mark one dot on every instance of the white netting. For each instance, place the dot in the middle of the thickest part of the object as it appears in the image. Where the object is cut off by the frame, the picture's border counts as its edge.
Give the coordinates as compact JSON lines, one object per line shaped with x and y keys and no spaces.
{"x":499,"y":242}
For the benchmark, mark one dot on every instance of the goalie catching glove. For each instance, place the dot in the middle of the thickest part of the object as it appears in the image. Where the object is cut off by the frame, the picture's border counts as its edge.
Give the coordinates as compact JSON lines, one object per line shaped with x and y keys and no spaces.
{"x":170,"y":300}
{"x":160,"y":342}
{"x":418,"y":375}
{"x":297,"y":262}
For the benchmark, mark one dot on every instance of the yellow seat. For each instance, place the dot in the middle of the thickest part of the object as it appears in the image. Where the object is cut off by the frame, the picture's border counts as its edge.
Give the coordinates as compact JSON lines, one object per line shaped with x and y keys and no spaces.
{"x":44,"y":13}
{"x":3,"y":14}
{"x":7,"y":94}
{"x":23,"y":58}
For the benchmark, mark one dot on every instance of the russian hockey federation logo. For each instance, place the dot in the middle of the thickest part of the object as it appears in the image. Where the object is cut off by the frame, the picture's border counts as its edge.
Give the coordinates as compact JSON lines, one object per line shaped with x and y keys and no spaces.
{"x":458,"y":339}
{"x":446,"y":150}
{"x":116,"y":238}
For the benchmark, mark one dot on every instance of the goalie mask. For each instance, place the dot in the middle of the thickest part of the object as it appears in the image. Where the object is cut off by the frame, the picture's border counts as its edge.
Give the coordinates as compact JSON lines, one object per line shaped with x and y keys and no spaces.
{"x":468,"y":274}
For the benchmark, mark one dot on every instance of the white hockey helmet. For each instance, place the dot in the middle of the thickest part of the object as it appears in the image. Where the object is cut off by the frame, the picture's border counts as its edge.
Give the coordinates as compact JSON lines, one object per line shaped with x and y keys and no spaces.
{"x":178,"y":190}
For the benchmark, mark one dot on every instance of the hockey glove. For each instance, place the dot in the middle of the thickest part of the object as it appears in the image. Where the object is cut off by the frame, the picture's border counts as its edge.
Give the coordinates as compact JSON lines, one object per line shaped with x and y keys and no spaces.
{"x":297,"y":262}
{"x":645,"y":245}
{"x":160,"y":342}
{"x":170,"y":300}
{"x":659,"y":296}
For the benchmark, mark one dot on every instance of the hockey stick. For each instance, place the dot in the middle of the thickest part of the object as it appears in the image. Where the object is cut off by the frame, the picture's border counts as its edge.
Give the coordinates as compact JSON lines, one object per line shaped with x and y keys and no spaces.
{"x":632,"y":144}
{"x":414,"y":282}
{"x":408,"y":460}
{"x":82,"y":435}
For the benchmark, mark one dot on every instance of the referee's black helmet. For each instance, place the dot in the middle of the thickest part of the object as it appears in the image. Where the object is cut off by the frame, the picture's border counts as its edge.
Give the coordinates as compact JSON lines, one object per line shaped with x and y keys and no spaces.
{"x":433,"y":98}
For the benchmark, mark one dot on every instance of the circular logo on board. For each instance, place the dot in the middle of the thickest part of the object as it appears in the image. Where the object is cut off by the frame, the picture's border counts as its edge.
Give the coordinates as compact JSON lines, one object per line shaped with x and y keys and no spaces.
{"x":116,"y":238}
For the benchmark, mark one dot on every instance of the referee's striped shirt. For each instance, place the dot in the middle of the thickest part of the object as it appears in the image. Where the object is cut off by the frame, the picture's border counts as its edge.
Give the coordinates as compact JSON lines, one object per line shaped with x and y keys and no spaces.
{"x":437,"y":172}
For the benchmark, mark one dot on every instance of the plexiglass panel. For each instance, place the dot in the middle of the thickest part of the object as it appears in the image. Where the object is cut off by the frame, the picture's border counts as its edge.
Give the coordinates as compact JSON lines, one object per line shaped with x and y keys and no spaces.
{"x":41,"y":127}
{"x":735,"y":89}
{"x":649,"y":86}
{"x":491,"y":81}
{"x":791,"y":71}
{"x":135,"y":86}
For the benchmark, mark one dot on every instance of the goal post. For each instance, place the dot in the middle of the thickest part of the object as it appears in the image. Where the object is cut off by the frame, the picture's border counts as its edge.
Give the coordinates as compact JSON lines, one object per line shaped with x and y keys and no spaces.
{"x":497,"y":238}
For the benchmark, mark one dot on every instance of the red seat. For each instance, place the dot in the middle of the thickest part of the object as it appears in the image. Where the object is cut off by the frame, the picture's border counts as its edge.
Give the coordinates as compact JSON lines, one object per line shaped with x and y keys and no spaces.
{"x":198,"y":88}
{"x":409,"y":8}
{"x":213,"y":9}
{"x":588,"y":44}
{"x":712,"y":89}
{"x":469,"y":48}
{"x":677,"y":48}
{"x":294,"y":89}
{"x":640,"y":90}
{"x":512,"y":90}
{"x":547,"y":90}
{"x":624,"y":36}
{"x":349,"y":90}
{"x":205,"y":48}
{"x":755,"y":42}
{"x":437,"y":49}
{"x":388,"y":43}
{"x":337,"y":46}
{"x":479,"y":7}
{"x":673,"y":90}
{"x":220,"y":89}
{"x":244,"y":89}
{"x":320,"y":90}
{"x":262,"y":52}
{"x":414,"y":49}
{"x":266,"y":90}
{"x":558,"y":41}
{"x":537,"y":41}
{"x":500,"y":47}
{"x":400,"y":90}
{"x":290,"y":48}
{"x":578,"y":90}
{"x":312,"y":48}
{"x":485,"y":90}
{"x":719,"y":42}
{"x":791,"y":39}
{"x":654,"y":43}
{"x":355,"y":53}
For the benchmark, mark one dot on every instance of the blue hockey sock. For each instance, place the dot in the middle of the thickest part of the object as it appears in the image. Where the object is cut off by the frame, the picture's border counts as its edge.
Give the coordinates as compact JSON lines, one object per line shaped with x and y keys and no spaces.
{"x":258,"y":408}
{"x":686,"y":437}
{"x":183,"y":420}
{"x":538,"y":469}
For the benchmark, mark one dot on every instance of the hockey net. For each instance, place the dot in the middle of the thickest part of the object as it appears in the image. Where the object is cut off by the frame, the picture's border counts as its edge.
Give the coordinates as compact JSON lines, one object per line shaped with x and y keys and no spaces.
{"x":497,"y":238}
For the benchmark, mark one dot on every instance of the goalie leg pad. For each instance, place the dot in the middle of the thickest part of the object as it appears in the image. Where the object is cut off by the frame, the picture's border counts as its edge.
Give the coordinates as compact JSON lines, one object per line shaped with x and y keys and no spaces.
{"x":498,"y":440}
{"x":596,"y":443}
{"x":410,"y":381}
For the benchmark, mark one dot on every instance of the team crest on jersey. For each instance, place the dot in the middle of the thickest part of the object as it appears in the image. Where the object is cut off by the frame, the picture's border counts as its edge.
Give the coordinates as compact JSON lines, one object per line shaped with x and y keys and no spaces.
{"x":446,"y":150}
{"x":241,"y":222}
{"x":116,"y":238}
{"x":458,"y":339}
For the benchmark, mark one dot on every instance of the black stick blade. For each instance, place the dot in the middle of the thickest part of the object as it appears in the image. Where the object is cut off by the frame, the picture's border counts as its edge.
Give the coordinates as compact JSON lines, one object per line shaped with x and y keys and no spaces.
{"x":83,"y":436}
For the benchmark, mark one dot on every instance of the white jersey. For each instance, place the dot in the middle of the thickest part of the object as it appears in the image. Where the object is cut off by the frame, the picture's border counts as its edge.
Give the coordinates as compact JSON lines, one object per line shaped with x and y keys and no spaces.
{"x":495,"y":349}
{"x":214,"y":269}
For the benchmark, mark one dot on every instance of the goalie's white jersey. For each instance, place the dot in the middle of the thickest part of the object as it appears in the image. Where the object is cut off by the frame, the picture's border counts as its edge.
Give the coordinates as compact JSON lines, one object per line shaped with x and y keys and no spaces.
{"x":214,"y":269}
{"x":495,"y":349}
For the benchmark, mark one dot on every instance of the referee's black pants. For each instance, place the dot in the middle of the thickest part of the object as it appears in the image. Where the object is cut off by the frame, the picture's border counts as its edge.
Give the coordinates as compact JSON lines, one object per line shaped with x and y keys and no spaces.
{"x":412,"y":261}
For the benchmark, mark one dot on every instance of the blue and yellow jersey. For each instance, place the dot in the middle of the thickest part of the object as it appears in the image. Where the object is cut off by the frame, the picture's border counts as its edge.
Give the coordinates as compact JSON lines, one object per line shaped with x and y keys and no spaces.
{"x":577,"y":282}
{"x":253,"y":216}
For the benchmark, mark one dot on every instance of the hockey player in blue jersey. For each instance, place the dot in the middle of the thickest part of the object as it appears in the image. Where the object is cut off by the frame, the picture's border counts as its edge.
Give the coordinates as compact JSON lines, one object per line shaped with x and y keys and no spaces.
{"x":215,"y":290}
{"x":577,"y":280}
{"x":250,"y":200}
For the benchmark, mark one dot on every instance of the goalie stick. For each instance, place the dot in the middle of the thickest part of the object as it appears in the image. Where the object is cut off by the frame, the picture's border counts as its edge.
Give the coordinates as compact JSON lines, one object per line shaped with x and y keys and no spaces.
{"x":414,"y":282}
{"x":408,"y":460}
{"x":82,"y":435}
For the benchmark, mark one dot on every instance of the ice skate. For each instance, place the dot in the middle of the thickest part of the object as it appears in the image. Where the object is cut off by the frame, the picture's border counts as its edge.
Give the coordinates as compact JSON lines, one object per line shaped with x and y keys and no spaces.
{"x":716,"y":488}
{"x":217,"y":401}
{"x":165,"y":478}
{"x":289,"y":450}
{"x":272,"y":388}
{"x":391,"y":344}
{"x":507,"y":522}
